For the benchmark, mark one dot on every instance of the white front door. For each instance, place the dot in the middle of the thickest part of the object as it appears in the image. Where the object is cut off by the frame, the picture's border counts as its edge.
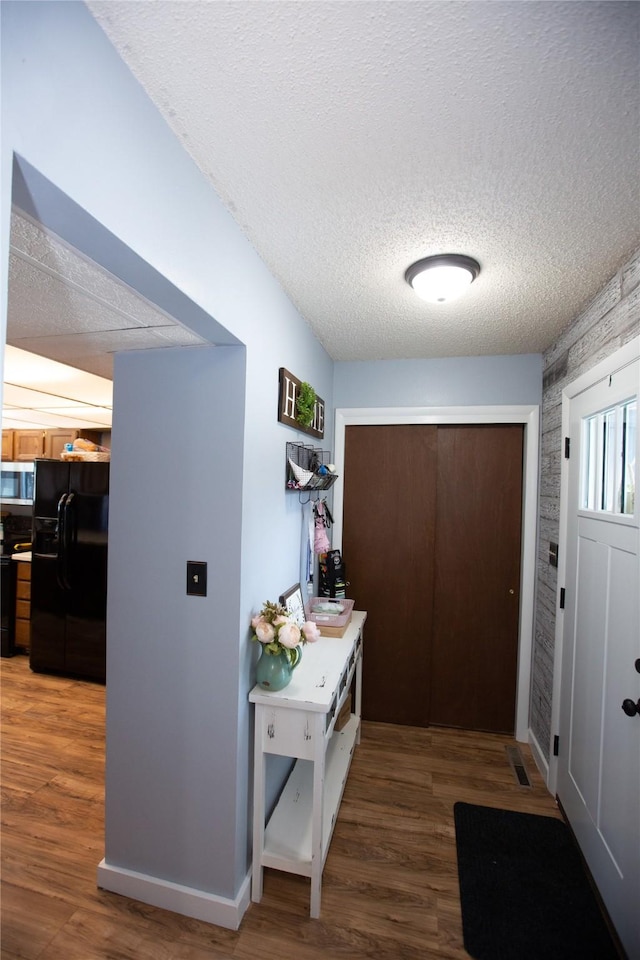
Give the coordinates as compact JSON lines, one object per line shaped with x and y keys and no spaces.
{"x":599,"y":756}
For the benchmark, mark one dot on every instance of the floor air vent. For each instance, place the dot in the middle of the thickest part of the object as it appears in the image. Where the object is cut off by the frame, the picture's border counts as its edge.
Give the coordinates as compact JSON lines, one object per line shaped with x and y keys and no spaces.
{"x":517,"y":765}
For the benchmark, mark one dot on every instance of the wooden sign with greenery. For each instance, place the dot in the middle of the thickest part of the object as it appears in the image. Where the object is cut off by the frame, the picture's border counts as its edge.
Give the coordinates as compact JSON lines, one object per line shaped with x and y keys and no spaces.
{"x":299,"y":406}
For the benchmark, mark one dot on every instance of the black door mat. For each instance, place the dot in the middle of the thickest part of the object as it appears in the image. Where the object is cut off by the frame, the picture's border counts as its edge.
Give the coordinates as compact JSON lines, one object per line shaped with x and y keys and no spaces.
{"x":524,"y":891}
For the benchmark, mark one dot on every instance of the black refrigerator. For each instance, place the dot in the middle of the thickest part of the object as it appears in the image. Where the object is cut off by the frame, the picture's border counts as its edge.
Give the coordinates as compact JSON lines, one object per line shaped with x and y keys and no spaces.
{"x":69,"y":568}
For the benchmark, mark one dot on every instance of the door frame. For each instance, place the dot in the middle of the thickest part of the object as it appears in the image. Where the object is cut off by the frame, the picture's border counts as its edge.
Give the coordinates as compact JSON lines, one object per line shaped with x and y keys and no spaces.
{"x":620,"y":358}
{"x":529,"y":416}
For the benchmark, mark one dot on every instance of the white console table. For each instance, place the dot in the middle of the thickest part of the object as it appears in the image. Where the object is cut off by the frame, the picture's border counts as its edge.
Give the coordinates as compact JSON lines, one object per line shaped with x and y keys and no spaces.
{"x":299,"y":722}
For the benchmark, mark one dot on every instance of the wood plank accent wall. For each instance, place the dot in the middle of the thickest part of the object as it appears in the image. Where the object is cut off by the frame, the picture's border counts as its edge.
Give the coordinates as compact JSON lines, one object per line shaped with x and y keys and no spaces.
{"x":608,"y":322}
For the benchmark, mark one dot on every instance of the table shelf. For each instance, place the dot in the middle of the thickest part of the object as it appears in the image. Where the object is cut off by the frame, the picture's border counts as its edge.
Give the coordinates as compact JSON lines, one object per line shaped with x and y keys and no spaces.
{"x":288,"y":836}
{"x":299,"y":722}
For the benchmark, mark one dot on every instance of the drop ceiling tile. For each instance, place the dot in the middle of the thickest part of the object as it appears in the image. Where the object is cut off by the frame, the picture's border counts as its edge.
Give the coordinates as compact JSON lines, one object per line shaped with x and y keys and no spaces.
{"x":30,"y":419}
{"x":8,"y":423}
{"x":41,"y":305}
{"x":48,"y":255}
{"x":96,"y":418}
{"x":100,"y":416}
{"x":24,"y":397}
{"x":67,"y":348}
{"x":177,"y":336}
{"x":101,"y":365}
{"x":35,"y":372}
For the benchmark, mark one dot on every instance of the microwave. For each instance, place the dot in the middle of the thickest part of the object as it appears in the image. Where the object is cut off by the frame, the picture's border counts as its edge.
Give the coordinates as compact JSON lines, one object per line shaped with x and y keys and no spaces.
{"x":16,"y":483}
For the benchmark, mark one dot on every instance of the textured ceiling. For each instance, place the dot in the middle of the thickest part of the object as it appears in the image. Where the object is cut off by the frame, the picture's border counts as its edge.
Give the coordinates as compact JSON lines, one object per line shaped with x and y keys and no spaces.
{"x":349,"y":139}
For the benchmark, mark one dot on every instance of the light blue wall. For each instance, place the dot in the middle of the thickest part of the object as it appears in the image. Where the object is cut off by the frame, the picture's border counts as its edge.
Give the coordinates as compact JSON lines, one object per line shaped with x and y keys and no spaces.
{"x":181,"y":485}
{"x":173,"y":659}
{"x":451,"y":381}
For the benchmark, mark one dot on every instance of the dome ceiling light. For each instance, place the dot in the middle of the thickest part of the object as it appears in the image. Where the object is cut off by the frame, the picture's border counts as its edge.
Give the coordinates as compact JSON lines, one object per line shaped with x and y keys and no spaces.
{"x":442,"y":278}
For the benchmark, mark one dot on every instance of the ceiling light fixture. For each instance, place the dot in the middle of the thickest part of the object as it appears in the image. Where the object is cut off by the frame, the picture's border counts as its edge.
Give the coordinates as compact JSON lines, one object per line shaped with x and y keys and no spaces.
{"x":442,"y":278}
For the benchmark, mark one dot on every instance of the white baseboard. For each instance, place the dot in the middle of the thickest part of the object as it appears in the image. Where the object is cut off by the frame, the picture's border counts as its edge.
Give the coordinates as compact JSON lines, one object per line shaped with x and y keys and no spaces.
{"x":539,"y":757}
{"x":173,"y":896}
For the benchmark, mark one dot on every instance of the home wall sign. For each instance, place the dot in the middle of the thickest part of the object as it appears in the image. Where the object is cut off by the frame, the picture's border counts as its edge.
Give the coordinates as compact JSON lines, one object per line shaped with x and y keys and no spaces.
{"x":288,"y":394}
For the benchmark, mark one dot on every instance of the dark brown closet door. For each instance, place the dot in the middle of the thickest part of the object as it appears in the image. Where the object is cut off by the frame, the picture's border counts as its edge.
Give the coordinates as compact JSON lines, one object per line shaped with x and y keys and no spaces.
{"x":431,"y":541}
{"x":388,"y":537}
{"x":477,"y":577}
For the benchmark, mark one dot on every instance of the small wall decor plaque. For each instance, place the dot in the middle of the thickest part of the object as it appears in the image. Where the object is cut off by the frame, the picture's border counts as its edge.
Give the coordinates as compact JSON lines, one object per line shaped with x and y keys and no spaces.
{"x":299,"y":406}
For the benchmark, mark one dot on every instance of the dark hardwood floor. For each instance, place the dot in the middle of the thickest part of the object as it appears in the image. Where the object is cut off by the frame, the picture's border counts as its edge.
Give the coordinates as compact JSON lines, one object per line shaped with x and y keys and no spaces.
{"x":390,"y":887}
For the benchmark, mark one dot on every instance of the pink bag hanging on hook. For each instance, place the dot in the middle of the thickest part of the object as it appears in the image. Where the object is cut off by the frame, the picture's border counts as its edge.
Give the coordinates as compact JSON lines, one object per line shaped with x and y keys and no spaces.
{"x":320,"y":541}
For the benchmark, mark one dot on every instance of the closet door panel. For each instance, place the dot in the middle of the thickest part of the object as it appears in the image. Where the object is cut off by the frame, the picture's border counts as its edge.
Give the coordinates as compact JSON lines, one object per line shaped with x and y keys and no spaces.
{"x":477,"y":577}
{"x":388,"y":548}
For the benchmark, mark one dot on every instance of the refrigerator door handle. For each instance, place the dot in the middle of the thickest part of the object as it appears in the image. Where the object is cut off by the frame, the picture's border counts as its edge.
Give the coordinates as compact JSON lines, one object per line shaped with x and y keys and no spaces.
{"x":67,"y":536}
{"x":60,"y":550}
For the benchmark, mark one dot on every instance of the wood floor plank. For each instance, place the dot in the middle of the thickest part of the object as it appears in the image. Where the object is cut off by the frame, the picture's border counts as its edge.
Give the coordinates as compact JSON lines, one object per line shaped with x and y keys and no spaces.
{"x":163,"y":925}
{"x":30,"y":920}
{"x":19,"y":778}
{"x":91,"y":935}
{"x":390,"y":885}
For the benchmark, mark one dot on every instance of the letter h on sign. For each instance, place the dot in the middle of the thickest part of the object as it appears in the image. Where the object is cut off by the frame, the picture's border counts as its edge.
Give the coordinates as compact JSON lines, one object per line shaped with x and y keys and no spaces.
{"x":289,"y":396}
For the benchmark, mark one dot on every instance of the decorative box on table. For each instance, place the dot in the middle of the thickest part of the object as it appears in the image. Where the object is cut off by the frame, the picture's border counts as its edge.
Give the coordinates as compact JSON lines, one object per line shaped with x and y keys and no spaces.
{"x":332,"y":616}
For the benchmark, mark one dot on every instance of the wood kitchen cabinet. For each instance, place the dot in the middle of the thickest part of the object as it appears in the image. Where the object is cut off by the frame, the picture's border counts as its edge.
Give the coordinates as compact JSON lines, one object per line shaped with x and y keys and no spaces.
{"x":29,"y":444}
{"x":23,"y":604}
{"x":54,"y":441}
{"x":7,"y":444}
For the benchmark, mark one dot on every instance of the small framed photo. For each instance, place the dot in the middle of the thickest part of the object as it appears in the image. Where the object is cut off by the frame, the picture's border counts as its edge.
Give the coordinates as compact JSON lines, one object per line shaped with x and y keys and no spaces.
{"x":293,"y":603}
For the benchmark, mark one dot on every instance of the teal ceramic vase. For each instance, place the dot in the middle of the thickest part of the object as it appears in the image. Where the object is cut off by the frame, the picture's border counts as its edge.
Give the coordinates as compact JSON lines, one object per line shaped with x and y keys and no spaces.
{"x":274,"y":670}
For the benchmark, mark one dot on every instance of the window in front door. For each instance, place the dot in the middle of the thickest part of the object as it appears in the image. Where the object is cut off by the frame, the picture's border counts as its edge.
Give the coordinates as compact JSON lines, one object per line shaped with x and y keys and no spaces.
{"x":609,"y":460}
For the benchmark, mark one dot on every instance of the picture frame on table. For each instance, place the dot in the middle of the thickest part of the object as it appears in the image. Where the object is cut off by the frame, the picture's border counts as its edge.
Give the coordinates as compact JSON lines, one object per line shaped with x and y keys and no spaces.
{"x":293,"y":603}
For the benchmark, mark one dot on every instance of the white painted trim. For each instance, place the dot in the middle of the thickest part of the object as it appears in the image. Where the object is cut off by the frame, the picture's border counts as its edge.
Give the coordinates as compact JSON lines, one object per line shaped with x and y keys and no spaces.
{"x":615,"y":361}
{"x":538,"y":756}
{"x":530,"y":417}
{"x":174,"y":896}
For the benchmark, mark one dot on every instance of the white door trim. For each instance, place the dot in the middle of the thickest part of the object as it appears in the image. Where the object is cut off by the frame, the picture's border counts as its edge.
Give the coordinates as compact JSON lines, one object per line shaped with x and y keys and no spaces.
{"x":615,"y":361}
{"x":527,"y":415}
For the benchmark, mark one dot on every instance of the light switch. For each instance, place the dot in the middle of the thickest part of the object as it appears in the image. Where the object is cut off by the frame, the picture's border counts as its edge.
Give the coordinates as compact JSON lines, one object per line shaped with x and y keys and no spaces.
{"x":196,"y":578}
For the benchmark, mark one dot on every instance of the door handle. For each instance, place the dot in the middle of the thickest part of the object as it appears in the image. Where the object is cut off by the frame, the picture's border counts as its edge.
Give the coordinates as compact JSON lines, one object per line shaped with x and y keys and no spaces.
{"x":631,"y":708}
{"x":68,"y":538}
{"x":60,"y":544}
